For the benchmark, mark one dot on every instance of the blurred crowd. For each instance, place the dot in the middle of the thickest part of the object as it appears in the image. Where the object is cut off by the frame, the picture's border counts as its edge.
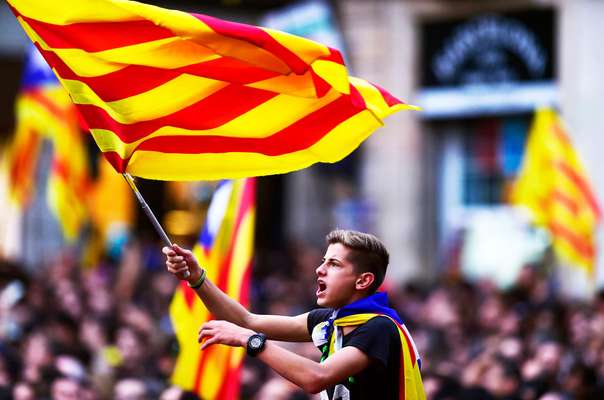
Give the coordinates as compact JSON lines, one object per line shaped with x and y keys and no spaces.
{"x":105,"y":332}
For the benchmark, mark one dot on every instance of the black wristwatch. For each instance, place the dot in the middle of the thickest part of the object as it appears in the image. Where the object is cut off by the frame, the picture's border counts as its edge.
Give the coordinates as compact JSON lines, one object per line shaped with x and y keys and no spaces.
{"x":255,"y":344}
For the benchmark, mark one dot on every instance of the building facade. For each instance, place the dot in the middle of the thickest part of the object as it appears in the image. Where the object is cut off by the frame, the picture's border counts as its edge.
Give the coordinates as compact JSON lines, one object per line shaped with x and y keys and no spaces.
{"x":479,"y":70}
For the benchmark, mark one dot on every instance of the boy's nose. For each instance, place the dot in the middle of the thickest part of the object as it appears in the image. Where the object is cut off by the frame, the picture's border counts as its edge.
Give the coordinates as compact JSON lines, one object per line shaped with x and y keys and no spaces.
{"x":320,"y":270}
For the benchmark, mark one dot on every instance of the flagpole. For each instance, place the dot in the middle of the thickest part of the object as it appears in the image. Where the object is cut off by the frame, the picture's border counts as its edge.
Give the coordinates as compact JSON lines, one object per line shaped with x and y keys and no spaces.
{"x":158,"y":228}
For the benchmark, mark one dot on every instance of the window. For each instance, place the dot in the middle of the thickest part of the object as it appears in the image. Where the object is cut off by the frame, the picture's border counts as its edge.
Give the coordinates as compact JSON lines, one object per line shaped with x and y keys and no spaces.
{"x":492,"y":155}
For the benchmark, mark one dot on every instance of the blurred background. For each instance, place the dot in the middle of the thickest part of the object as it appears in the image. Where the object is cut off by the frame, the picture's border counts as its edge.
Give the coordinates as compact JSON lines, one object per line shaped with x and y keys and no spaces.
{"x":494,"y":309}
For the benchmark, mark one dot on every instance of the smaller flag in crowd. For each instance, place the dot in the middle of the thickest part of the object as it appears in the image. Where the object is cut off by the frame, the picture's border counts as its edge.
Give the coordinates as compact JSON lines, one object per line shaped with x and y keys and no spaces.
{"x":45,"y":112}
{"x":32,"y":116}
{"x":554,"y":186}
{"x":225,"y":250}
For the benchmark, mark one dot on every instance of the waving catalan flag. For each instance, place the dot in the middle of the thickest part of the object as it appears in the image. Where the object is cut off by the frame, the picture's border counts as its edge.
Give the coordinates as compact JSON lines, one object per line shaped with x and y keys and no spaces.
{"x":179,"y":96}
{"x":225,"y":250}
{"x":554,"y":186}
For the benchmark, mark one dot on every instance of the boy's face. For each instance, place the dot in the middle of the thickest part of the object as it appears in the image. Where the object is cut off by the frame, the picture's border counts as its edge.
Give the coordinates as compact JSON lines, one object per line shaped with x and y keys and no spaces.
{"x":336,"y":278}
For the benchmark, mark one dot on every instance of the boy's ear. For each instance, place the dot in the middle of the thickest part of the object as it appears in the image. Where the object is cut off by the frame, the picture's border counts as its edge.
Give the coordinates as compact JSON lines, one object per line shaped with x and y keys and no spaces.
{"x":364,"y":280}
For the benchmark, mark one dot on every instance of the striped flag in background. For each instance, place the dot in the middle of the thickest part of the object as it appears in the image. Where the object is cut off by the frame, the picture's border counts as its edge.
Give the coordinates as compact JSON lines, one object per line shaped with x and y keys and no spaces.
{"x":554,"y":186}
{"x":225,"y":250}
{"x":45,"y":112}
{"x":178,"y":96}
{"x":32,"y":118}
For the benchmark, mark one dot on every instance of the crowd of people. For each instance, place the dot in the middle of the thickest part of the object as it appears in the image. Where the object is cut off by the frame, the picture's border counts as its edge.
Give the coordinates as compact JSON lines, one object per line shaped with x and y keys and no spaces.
{"x":105,"y":332}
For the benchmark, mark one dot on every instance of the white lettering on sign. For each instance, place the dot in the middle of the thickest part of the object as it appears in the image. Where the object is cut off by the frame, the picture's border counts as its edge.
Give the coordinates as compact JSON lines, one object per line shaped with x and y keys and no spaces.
{"x":484,"y":40}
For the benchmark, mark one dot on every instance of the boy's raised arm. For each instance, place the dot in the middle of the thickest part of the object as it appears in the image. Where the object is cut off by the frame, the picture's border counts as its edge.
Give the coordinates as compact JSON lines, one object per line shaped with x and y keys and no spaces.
{"x":179,"y":260}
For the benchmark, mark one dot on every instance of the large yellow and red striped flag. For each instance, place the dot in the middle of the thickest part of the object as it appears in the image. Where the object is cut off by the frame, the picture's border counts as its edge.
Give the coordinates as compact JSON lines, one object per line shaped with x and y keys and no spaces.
{"x":179,"y":96}
{"x":554,"y":186}
{"x":225,"y":250}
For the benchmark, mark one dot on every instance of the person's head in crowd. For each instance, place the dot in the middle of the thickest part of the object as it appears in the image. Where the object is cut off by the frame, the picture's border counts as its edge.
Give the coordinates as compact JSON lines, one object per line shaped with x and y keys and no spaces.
{"x":277,"y":388}
{"x":511,"y":348}
{"x":354,"y":266}
{"x":23,"y":391}
{"x":578,"y":325}
{"x":94,"y":333}
{"x":69,"y":298}
{"x":176,"y":393}
{"x":549,"y":355}
{"x":66,"y":388}
{"x":101,"y":302}
{"x":132,"y":347}
{"x":553,"y":396}
{"x":531,"y":370}
{"x":171,"y":393}
{"x":490,"y":312}
{"x":510,"y":323}
{"x":37,"y":355}
{"x":432,"y":385}
{"x":502,"y":378}
{"x":130,"y":389}
{"x":70,"y":366}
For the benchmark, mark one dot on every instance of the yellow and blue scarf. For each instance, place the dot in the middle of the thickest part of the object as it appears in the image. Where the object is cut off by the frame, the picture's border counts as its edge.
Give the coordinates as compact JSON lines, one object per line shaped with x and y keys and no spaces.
{"x":361,"y":311}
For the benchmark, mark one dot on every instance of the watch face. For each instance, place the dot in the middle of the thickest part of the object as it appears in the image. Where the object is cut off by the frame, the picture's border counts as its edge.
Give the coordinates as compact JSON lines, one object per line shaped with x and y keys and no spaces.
{"x":256,"y":342}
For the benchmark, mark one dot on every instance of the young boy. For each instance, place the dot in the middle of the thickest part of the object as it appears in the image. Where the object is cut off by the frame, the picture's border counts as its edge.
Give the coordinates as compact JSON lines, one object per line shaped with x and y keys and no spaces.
{"x":367,"y":353}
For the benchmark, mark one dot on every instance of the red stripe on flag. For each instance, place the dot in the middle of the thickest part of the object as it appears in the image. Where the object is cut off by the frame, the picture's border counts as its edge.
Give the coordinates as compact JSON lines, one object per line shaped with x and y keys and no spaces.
{"x":229,"y":389}
{"x":243,"y":205}
{"x":321,"y":87}
{"x":258,"y":37}
{"x":246,"y":202}
{"x":388,"y":98}
{"x":581,"y":184}
{"x":560,"y":134}
{"x":334,"y":55}
{"x":98,"y":36}
{"x":298,"y":136}
{"x":23,"y":163}
{"x":40,"y":97}
{"x":202,"y":361}
{"x":137,"y":79}
{"x":410,"y":346}
{"x":412,"y":353}
{"x":188,"y":294}
{"x":569,"y":203}
{"x":222,"y":280}
{"x":401,"y":387}
{"x":230,"y":70}
{"x":204,"y":357}
{"x":578,"y":243}
{"x":118,"y":163}
{"x":211,"y":112}
{"x":356,"y":98}
{"x":61,"y":168}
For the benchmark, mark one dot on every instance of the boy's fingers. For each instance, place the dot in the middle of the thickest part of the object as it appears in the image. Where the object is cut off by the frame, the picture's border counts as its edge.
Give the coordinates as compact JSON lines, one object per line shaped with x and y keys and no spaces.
{"x":168,"y":251}
{"x":208,"y":342}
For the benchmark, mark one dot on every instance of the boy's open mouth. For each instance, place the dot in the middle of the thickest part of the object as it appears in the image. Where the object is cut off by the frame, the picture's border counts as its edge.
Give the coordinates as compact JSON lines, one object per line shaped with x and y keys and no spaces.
{"x":321,"y":286}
